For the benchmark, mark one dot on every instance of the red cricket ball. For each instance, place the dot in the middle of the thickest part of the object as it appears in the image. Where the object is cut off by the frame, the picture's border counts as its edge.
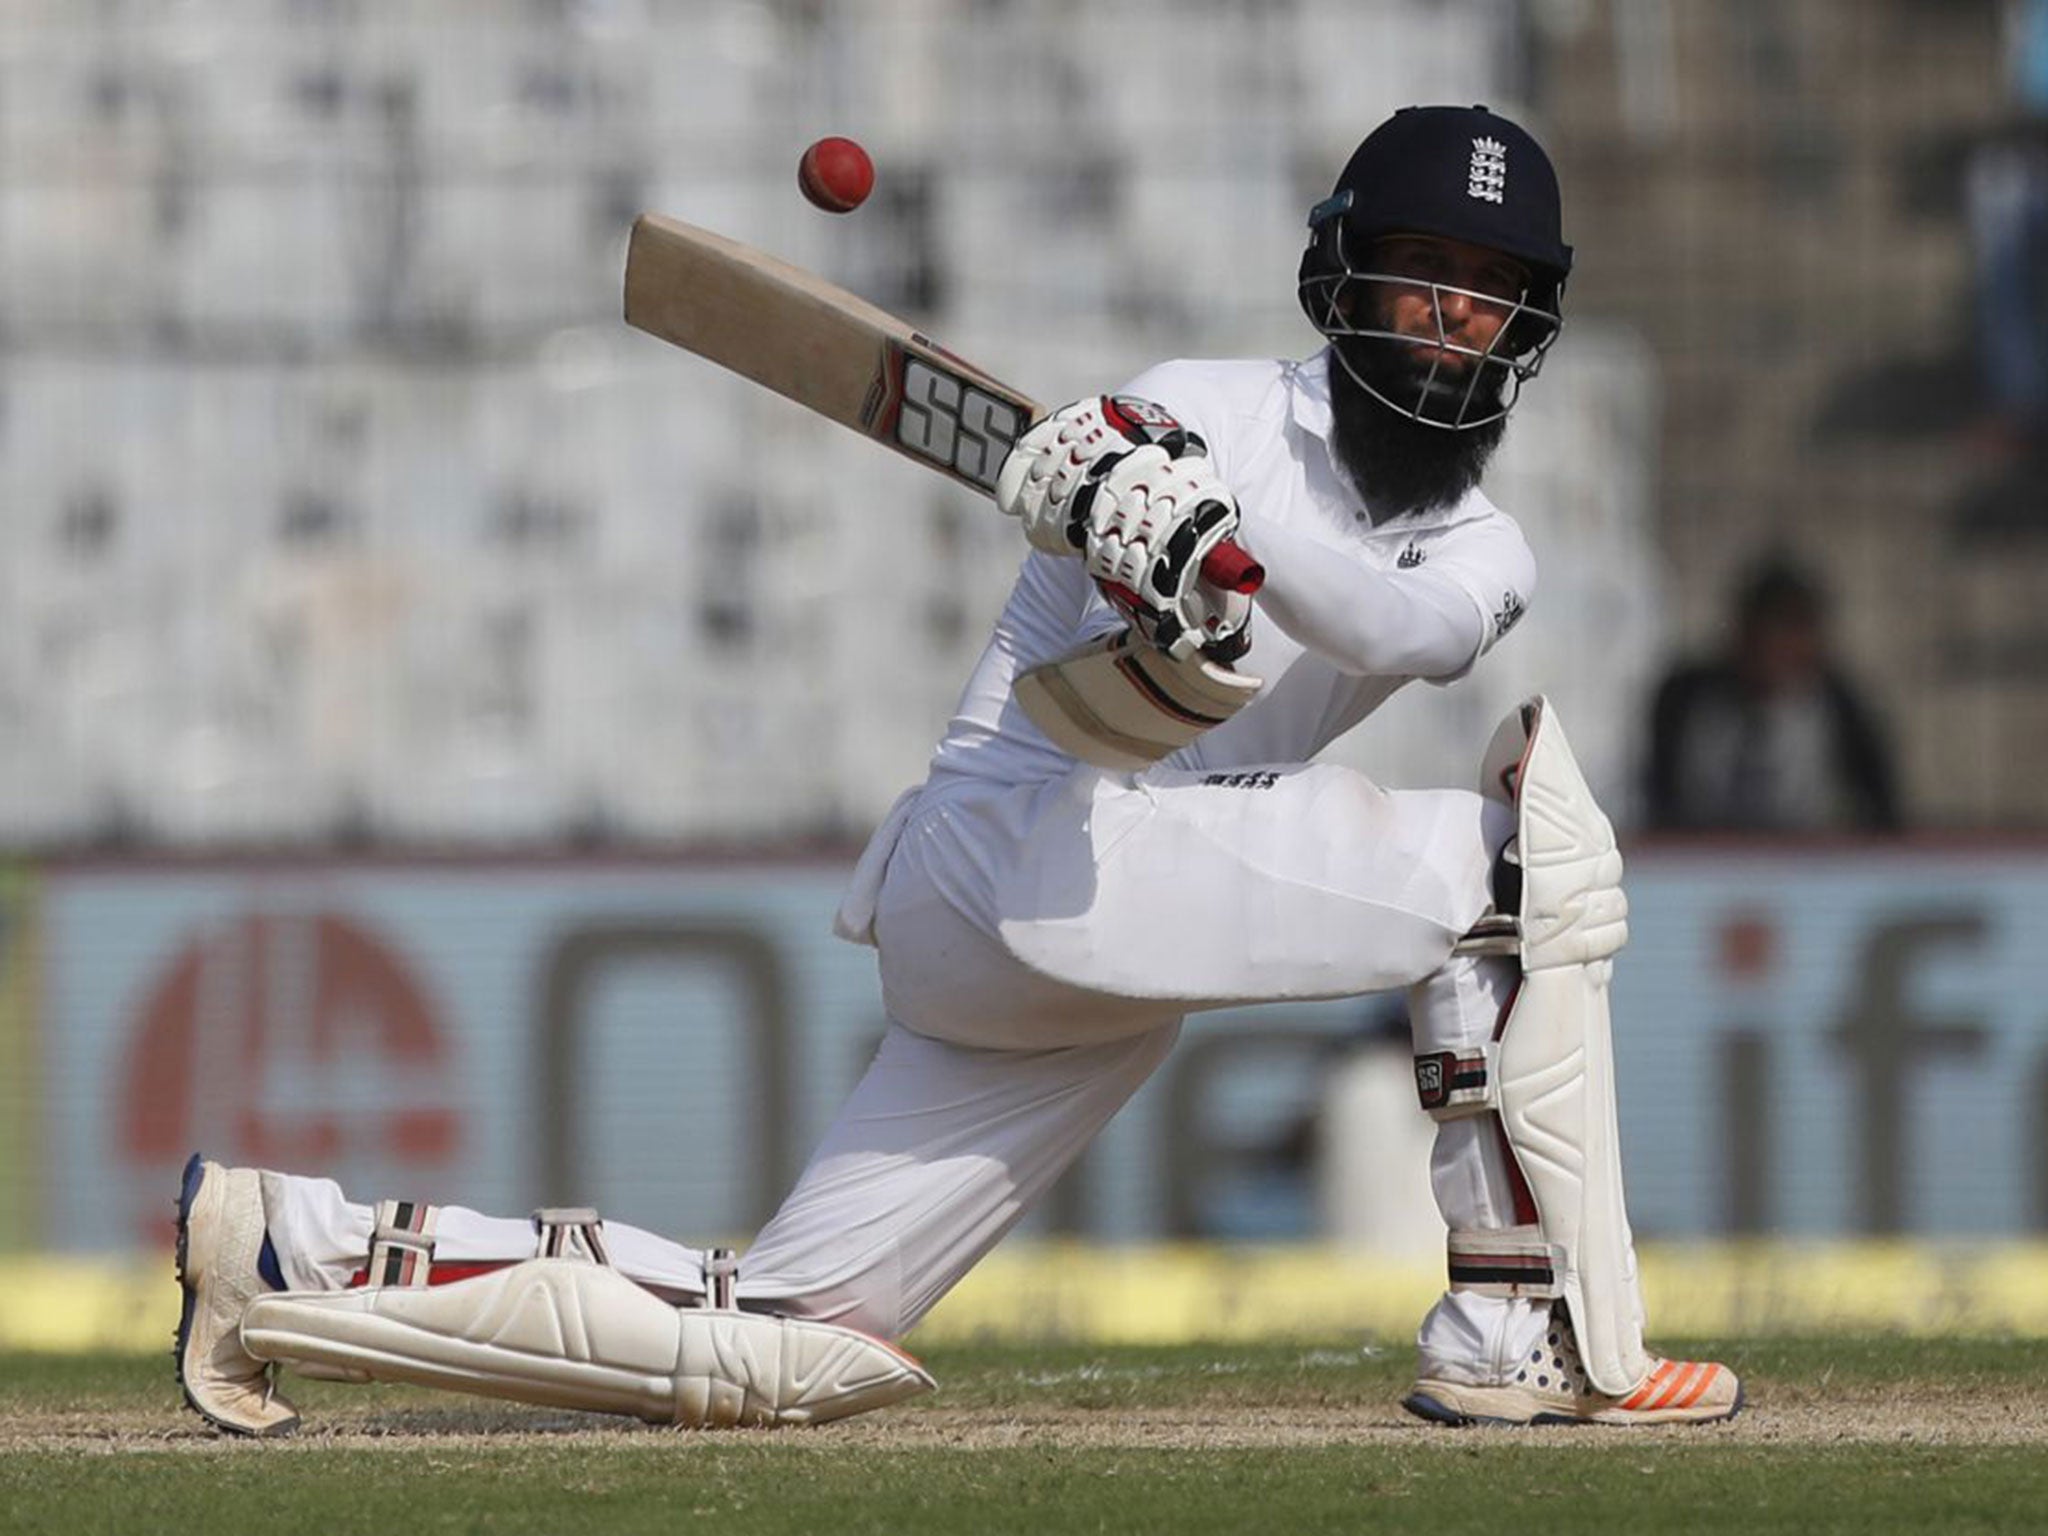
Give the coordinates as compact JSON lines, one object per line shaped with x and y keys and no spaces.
{"x":836,"y":175}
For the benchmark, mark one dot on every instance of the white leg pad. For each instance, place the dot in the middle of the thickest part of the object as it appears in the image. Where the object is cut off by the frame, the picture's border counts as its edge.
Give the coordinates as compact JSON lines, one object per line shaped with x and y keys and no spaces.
{"x":567,"y":1334}
{"x":1555,"y":1055}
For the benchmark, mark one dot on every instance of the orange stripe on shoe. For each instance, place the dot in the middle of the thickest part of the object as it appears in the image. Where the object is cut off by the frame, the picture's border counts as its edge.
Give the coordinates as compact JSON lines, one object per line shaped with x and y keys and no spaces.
{"x":1635,"y":1398}
{"x":1678,"y":1384}
{"x":1699,"y":1387}
{"x":1649,"y":1386}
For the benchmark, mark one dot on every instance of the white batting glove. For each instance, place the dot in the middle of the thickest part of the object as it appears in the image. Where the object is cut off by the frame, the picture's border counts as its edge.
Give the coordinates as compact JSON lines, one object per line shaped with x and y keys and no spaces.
{"x":1151,"y":523}
{"x":1049,"y":478}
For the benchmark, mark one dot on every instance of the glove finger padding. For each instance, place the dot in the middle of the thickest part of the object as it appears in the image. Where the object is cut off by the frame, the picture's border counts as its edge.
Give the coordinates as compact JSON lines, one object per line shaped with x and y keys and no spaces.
{"x":1049,"y":479}
{"x":1153,"y":520}
{"x":1040,"y":475}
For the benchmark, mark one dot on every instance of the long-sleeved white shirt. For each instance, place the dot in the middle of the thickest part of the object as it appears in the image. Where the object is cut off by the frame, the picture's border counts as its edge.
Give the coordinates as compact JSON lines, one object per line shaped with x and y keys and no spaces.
{"x":1350,"y":610}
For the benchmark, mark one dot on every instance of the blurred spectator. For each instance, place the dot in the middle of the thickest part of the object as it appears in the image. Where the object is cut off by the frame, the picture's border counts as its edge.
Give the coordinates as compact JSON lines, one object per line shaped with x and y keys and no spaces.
{"x":2008,"y":206}
{"x":1770,"y":736}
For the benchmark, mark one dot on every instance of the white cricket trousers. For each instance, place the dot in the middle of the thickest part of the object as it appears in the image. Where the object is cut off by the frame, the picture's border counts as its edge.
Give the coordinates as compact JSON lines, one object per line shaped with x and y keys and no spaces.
{"x":1038,"y":948}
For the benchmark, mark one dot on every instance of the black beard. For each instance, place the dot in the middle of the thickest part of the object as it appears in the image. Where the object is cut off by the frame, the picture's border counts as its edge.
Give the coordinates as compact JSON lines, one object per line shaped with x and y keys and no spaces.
{"x":1398,"y":464}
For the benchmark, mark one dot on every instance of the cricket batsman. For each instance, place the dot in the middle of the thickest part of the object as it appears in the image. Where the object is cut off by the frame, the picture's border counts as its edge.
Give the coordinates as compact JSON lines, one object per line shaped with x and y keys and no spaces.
{"x":1043,"y":922}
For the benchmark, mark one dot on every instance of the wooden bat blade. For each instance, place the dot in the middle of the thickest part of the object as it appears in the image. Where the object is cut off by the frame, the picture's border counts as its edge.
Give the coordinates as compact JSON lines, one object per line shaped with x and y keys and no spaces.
{"x":813,"y":342}
{"x":748,"y":311}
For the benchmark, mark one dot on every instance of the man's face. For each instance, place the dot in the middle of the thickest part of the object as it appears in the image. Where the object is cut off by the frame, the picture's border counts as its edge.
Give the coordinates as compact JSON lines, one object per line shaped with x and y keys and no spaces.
{"x":1443,"y":294}
{"x":1462,"y":294}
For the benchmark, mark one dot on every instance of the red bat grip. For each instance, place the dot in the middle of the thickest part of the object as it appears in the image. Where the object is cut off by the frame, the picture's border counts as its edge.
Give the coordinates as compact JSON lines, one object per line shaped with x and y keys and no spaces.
{"x":1229,"y":567}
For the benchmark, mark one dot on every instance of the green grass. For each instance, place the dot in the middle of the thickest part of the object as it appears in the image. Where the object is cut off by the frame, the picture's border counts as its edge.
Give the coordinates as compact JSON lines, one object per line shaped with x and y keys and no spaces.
{"x":765,"y":1487}
{"x":1080,"y":1376}
{"x":110,"y":1453}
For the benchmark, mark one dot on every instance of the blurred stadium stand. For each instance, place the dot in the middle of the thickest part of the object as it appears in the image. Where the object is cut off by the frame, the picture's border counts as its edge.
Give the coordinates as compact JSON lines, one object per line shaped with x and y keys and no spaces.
{"x":342,"y":509}
{"x":1772,"y":196}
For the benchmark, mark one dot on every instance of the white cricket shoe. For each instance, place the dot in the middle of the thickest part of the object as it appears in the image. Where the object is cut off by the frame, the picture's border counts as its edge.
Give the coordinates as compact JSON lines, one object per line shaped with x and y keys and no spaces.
{"x":220,"y":1239}
{"x":1550,"y":1387}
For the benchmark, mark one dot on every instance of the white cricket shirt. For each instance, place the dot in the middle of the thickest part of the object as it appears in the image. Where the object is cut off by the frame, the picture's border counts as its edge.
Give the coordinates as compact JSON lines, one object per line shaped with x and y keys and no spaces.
{"x":1349,"y":613}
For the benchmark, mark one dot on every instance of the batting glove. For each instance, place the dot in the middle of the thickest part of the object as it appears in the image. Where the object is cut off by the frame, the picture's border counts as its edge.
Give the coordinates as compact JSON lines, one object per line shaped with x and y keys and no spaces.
{"x":1151,"y":522}
{"x":1050,"y":477}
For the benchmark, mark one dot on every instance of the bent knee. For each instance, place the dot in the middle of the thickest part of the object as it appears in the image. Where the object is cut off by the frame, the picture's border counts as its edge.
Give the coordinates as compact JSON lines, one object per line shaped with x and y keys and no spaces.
{"x":1453,"y":838}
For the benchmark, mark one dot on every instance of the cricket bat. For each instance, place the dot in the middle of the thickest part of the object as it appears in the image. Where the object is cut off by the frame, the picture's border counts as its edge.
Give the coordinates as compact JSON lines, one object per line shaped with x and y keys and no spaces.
{"x":830,"y":350}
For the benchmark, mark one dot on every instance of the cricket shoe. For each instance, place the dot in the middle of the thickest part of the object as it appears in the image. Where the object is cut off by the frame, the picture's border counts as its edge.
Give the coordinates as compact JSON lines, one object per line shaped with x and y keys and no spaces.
{"x":221,"y":1240}
{"x":1550,"y":1387}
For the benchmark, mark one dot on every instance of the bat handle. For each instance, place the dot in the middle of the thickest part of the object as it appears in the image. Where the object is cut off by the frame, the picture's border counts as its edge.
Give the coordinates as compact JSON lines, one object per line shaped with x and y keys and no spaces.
{"x":1229,"y":567}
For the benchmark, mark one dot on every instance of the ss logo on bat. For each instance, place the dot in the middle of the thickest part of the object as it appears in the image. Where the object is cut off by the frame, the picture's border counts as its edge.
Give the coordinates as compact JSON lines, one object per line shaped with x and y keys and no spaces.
{"x":955,"y":424}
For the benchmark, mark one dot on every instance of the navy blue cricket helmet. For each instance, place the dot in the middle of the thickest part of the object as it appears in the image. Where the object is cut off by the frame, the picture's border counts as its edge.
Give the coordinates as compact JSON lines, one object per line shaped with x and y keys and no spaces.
{"x":1454,"y":173}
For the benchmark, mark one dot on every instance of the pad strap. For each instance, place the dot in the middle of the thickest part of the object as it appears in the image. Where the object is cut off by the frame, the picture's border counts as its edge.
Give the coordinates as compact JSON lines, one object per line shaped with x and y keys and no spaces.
{"x":402,"y":1243}
{"x":721,"y":1274}
{"x":1505,"y":1261}
{"x":1497,"y":933}
{"x":570,"y":1232}
{"x":1454,"y":1084}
